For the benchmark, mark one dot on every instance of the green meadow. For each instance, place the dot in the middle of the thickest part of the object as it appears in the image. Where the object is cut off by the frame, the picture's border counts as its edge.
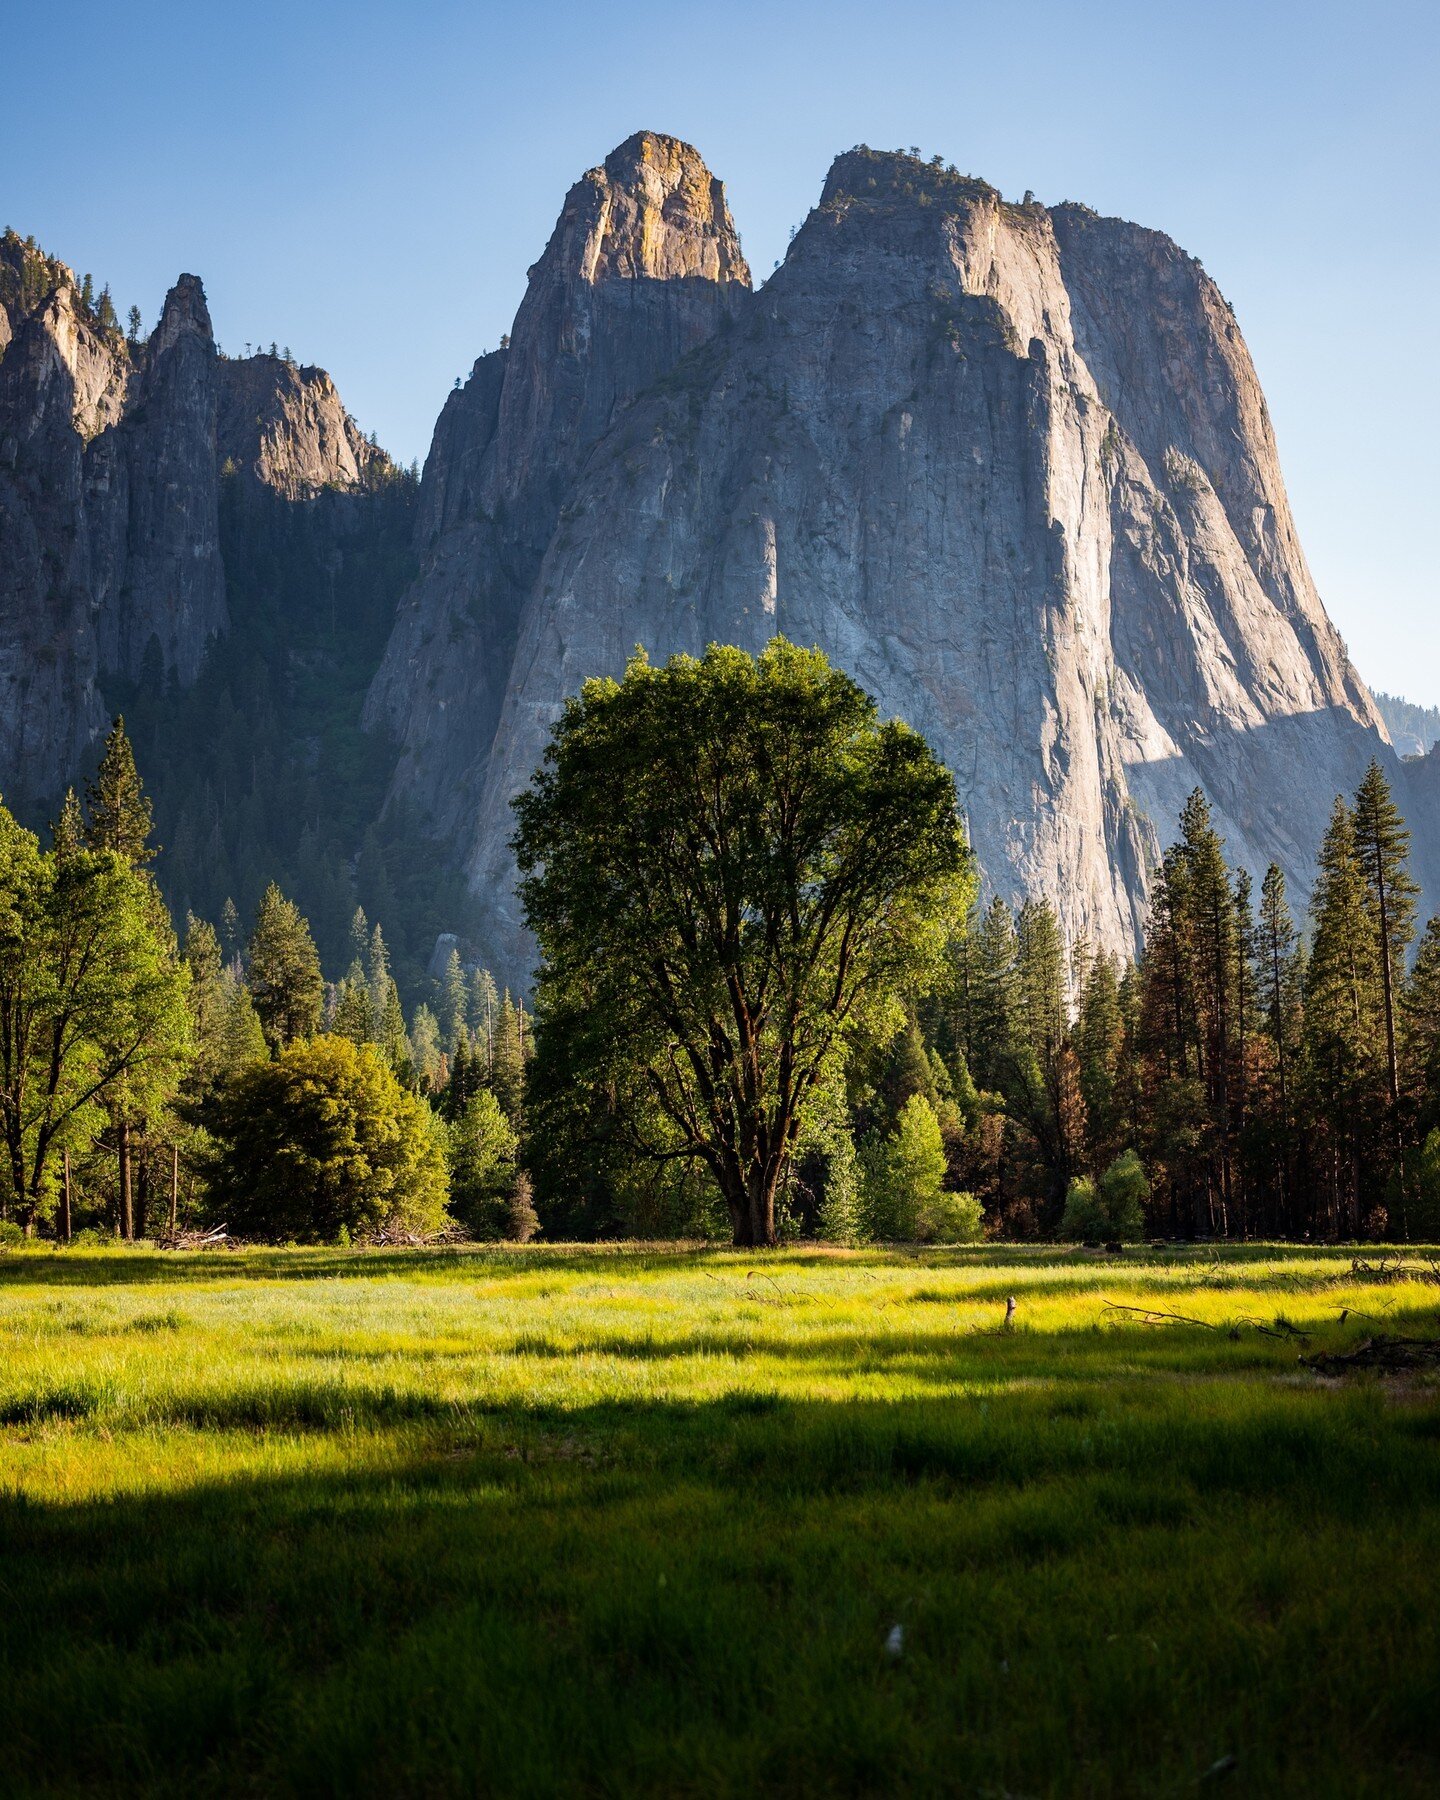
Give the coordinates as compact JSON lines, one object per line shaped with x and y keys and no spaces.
{"x":638,"y":1521}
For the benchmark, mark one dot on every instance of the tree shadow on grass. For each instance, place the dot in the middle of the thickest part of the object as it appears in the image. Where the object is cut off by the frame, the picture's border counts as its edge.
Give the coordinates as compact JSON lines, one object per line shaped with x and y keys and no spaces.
{"x":651,"y":1598}
{"x":1065,"y":1267}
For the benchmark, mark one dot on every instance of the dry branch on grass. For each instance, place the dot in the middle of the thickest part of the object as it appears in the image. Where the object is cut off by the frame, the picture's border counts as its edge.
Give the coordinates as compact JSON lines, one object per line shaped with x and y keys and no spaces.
{"x":1387,"y":1270}
{"x":196,"y":1240}
{"x":1386,"y":1355}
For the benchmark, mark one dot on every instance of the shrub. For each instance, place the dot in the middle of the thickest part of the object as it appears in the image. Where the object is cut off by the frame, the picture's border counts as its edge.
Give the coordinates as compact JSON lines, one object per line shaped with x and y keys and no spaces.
{"x":324,"y":1138}
{"x":1083,"y":1220}
{"x":1124,"y":1189}
{"x":1112,"y":1213}
{"x":953,"y":1219}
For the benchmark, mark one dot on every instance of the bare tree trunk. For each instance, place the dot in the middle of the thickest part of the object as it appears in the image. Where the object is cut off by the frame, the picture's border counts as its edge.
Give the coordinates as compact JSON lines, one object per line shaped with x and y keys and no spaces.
{"x":65,"y":1214}
{"x":127,"y":1213}
{"x":174,"y":1187}
{"x":142,"y":1191}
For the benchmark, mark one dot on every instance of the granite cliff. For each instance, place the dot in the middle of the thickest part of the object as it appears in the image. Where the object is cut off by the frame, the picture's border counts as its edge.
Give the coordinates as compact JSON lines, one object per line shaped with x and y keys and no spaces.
{"x":1009,"y":465}
{"x":112,"y":454}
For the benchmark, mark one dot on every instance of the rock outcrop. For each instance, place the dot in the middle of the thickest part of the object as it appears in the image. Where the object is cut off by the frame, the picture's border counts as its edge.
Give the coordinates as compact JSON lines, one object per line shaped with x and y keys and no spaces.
{"x":286,"y":428}
{"x":1009,"y":466}
{"x":643,"y":267}
{"x":111,"y":457}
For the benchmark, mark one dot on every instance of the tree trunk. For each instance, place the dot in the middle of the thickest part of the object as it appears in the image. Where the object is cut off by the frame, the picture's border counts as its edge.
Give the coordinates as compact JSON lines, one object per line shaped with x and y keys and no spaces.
{"x":122,"y":1145}
{"x":174,"y":1186}
{"x":142,"y":1191}
{"x":65,"y":1214}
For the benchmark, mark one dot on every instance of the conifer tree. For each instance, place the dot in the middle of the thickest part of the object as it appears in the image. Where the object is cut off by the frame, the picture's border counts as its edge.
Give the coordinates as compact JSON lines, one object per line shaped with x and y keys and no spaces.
{"x":284,"y":972}
{"x":507,"y":1073}
{"x":1100,"y":1041}
{"x":1344,"y":1026}
{"x":119,"y":809}
{"x":996,"y":1002}
{"x":454,"y":1000}
{"x":68,"y":831}
{"x":1420,"y":1035}
{"x":1382,"y":844}
{"x":484,"y":1002}
{"x":230,"y":933}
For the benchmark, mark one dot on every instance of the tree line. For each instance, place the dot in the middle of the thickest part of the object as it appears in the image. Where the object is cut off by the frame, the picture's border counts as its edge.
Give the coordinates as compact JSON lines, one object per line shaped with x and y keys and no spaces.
{"x":152,"y":1082}
{"x":769,"y":1003}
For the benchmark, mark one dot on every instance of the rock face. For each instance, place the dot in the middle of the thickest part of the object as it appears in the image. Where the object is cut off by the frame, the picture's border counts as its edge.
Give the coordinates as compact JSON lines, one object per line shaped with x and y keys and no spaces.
{"x":1010,"y":467}
{"x":111,"y":454}
{"x":287,"y":429}
{"x":642,"y":268}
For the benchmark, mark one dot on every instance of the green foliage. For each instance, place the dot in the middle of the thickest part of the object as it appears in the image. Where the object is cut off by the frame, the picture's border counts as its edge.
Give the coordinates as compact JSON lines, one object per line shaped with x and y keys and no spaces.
{"x":120,"y":813}
{"x":1113,"y":1211}
{"x":903,"y":1177}
{"x":737,"y":869}
{"x":1124,"y":1191}
{"x":954,"y":1219}
{"x":1425,"y":1207}
{"x":284,"y":972}
{"x":482,"y":1149}
{"x":93,"y":1010}
{"x":324,"y":1137}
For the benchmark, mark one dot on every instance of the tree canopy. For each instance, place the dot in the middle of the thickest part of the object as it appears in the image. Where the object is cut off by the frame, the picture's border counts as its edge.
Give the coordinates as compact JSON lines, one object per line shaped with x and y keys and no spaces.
{"x":734,"y":870}
{"x":323,"y":1139}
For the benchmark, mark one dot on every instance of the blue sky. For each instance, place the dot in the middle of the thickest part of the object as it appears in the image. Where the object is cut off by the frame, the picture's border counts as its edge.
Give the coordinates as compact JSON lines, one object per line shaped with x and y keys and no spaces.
{"x":368,"y":184}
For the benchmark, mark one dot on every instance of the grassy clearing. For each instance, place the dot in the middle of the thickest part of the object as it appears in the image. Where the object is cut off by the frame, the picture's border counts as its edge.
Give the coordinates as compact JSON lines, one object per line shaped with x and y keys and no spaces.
{"x":625,"y":1521}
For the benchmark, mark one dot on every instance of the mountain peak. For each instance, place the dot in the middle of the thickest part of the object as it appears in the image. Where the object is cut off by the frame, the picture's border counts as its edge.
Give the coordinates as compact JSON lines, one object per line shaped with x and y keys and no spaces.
{"x":652,"y":210}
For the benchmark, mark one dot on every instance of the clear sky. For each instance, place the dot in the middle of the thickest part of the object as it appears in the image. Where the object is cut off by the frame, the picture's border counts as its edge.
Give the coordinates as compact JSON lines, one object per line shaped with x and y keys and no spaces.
{"x":369,"y":182}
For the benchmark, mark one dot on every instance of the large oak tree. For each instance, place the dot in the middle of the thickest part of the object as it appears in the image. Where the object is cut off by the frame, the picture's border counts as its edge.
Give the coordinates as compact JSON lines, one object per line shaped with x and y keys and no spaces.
{"x":734,"y":870}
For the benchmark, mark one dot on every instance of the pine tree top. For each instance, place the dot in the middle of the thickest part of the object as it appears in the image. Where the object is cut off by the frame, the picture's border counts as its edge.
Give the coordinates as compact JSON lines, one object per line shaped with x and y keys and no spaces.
{"x":120,"y":818}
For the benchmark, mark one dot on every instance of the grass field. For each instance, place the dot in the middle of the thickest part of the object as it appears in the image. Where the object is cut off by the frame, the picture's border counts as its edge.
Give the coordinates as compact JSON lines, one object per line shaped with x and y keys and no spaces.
{"x":636,"y":1522}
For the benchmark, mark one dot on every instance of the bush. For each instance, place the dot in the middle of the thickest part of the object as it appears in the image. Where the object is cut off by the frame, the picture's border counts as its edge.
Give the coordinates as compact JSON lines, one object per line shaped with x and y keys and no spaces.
{"x":953,"y":1219}
{"x":1083,"y":1220}
{"x":324,"y":1139}
{"x":1115,"y":1213}
{"x":1124,"y":1189}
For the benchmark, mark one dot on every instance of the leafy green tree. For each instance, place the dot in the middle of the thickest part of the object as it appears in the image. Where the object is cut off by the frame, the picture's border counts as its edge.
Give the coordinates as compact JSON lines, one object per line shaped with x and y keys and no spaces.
{"x":284,"y":972}
{"x":120,"y":815}
{"x":324,"y":1139}
{"x":93,"y":1012}
{"x":744,"y":870}
{"x":1124,"y":1192}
